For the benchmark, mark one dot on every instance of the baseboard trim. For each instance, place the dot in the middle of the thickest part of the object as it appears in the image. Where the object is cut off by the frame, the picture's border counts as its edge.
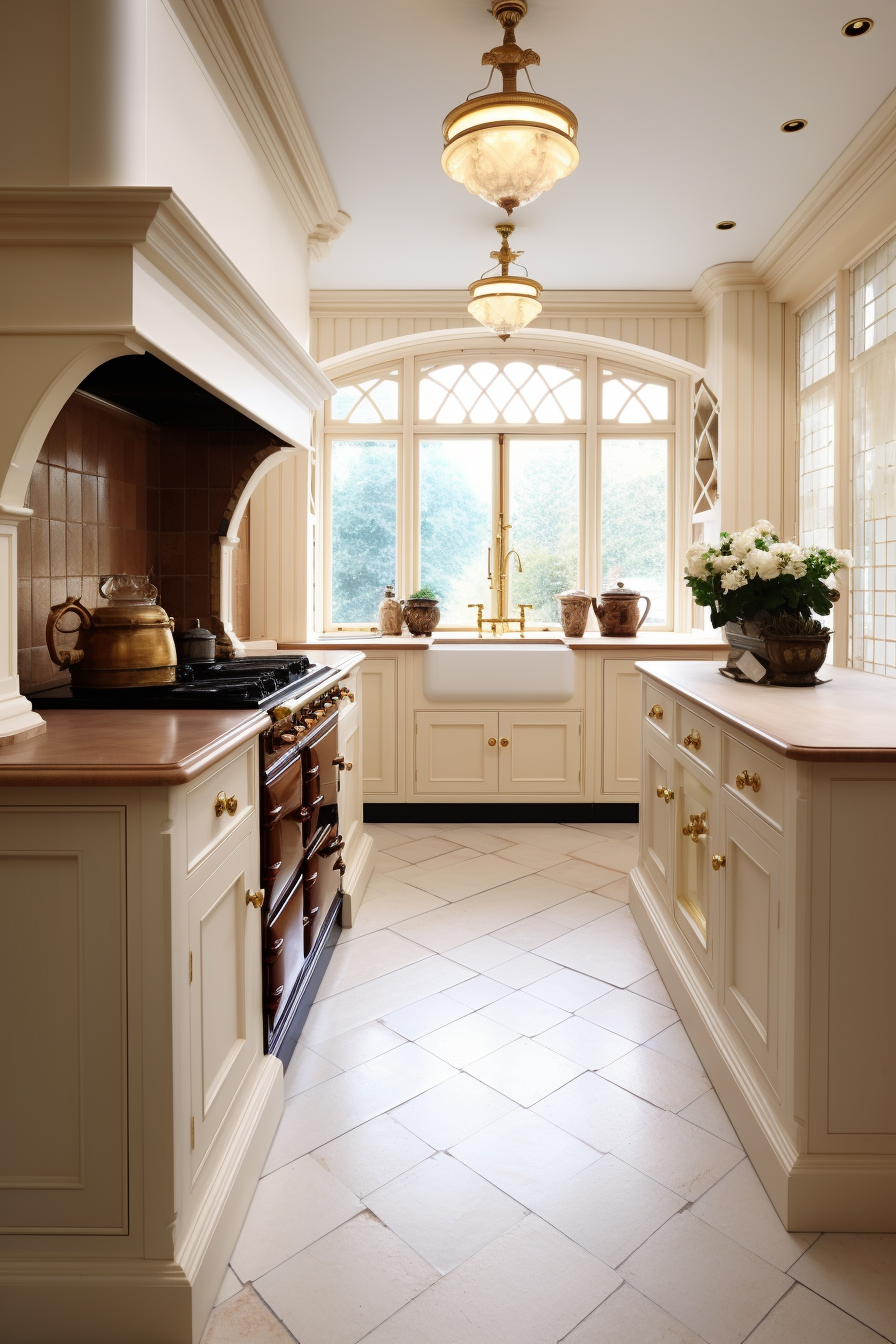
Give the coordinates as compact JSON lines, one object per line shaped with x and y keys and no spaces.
{"x":433,"y":813}
{"x":358,"y":873}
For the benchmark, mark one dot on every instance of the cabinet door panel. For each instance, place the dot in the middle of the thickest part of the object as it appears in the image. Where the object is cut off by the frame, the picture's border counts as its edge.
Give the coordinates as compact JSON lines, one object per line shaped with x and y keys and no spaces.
{"x":379,"y":683}
{"x":350,"y":779}
{"x":695,"y":883}
{"x":225,"y":1036}
{"x":543,"y":752}
{"x":658,"y":816}
{"x":751,"y":901}
{"x":621,"y":727}
{"x":63,"y":1117}
{"x":452,"y":753}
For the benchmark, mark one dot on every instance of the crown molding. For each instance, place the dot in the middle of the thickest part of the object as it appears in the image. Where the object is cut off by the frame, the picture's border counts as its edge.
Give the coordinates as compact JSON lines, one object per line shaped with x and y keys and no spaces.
{"x":243,"y":50}
{"x":723,"y":279}
{"x":85,"y":215}
{"x":826,"y":232}
{"x":452,"y":302}
{"x":156,"y":224}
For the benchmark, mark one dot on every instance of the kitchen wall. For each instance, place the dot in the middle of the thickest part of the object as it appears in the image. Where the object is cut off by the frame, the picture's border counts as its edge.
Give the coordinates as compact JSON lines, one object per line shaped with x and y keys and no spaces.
{"x":112,"y":492}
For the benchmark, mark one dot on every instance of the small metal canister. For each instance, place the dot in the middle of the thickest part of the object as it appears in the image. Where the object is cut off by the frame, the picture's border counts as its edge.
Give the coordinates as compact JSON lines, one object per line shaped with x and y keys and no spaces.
{"x":195,"y":645}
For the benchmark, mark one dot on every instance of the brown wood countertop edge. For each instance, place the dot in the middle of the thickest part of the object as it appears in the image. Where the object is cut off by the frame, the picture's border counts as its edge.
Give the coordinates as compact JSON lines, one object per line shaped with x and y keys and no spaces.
{"x":792,"y":751}
{"x":164,"y":775}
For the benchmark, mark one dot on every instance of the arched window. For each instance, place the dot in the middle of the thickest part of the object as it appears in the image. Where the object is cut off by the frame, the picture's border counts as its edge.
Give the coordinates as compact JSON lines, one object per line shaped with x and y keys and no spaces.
{"x":425,"y":458}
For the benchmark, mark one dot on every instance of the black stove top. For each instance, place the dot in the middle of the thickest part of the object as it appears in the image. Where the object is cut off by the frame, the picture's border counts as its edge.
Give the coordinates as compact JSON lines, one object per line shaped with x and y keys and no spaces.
{"x":241,"y":683}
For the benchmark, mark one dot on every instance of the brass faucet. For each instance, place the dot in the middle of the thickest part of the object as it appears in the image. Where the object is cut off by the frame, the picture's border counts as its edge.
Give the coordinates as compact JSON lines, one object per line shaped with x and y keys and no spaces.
{"x":498,"y":578}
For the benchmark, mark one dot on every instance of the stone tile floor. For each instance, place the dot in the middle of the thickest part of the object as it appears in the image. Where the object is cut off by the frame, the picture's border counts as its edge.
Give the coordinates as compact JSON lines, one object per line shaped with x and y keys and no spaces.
{"x":497,"y":1132}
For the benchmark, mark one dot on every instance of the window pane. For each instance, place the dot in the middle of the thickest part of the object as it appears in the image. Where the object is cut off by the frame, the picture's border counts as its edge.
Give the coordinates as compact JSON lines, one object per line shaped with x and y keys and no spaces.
{"x":514,"y":391}
{"x":633,"y":518}
{"x":456,"y":523}
{"x":364,"y":489}
{"x":544,"y":510}
{"x":368,"y":402}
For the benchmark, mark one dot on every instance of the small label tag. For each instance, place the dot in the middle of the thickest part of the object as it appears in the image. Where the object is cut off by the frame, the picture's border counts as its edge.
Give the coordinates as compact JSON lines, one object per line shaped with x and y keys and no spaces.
{"x":751,"y":667}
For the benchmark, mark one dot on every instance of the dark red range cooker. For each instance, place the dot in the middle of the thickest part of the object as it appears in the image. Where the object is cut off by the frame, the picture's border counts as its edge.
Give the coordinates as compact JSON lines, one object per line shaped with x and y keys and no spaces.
{"x":301,"y":848}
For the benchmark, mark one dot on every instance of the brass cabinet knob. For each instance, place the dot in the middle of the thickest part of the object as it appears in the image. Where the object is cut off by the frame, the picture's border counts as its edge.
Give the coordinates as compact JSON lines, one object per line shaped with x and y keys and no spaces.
{"x":696,"y":827}
{"x":666,"y":794}
{"x":224,"y":804}
{"x":493,"y":741}
{"x":656,"y":712}
{"x":255,"y":898}
{"x":505,"y":742}
{"x":693,"y":740}
{"x":747,"y":781}
{"x":718,"y":861}
{"x":348,"y":765}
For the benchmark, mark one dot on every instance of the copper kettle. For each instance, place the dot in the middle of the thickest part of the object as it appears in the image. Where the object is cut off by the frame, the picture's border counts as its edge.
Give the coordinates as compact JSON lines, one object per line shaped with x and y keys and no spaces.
{"x":124,"y":644}
{"x":617,"y":614}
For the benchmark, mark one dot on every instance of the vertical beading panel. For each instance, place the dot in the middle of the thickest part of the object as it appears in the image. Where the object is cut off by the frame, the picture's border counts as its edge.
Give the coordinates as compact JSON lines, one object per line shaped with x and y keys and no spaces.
{"x":817,"y":334}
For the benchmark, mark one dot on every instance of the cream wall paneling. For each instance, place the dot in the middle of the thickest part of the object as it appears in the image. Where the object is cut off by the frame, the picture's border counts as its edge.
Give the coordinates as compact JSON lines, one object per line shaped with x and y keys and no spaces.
{"x":407,"y":355}
{"x":668,"y":322}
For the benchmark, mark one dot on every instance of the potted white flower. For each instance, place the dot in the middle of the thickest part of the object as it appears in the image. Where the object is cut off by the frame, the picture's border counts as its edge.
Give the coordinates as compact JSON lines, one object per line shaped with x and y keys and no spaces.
{"x":764,"y":592}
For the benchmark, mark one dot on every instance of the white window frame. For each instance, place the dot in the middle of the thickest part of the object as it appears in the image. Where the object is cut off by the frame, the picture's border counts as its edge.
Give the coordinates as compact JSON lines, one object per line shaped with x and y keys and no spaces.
{"x":591,"y":354}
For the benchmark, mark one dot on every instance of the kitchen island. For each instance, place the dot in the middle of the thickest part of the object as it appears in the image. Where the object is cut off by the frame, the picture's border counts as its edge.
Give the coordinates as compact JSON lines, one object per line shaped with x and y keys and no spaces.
{"x":765,"y":892}
{"x":139,"y":1104}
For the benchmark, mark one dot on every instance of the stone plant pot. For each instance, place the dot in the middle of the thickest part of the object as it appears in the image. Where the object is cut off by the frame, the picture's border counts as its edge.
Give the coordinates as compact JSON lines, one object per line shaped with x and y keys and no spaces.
{"x":794,"y":660}
{"x":421,"y":615}
{"x":790,"y":660}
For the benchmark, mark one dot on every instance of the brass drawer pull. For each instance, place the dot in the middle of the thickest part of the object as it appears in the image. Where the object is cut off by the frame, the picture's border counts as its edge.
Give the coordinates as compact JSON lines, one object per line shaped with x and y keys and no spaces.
{"x":348,"y":765}
{"x":655,"y":713}
{"x":718,"y":861}
{"x":696,"y":827}
{"x":693,"y":740}
{"x":747,"y":781}
{"x":224,"y":804}
{"x":666,"y":794}
{"x":493,"y":741}
{"x":255,"y":898}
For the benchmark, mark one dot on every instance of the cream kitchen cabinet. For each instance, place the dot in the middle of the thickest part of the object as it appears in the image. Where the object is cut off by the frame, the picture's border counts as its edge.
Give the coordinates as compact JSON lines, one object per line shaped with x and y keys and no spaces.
{"x":522,"y":752}
{"x":379,"y":681}
{"x":770,"y":916}
{"x":144,"y":1105}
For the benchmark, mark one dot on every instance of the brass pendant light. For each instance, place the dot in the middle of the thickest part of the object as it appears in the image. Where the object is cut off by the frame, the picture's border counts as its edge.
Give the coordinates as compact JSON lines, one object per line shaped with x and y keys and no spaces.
{"x":504,"y":303}
{"x":509,"y":147}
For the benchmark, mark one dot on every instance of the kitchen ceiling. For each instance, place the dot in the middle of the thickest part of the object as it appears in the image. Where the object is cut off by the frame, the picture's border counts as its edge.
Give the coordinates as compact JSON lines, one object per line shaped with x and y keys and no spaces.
{"x":679,"y":107}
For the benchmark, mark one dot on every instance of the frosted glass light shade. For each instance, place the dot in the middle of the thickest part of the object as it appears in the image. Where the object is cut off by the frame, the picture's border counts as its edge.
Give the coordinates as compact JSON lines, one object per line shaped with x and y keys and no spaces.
{"x":509,"y":148}
{"x":504,"y":303}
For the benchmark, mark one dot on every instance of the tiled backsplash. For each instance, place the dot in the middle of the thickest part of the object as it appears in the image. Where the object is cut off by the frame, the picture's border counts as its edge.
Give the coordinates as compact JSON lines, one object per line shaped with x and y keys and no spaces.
{"x":113,"y":493}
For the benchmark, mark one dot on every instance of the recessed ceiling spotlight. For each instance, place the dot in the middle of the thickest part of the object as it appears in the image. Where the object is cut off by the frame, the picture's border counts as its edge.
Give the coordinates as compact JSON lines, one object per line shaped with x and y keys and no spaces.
{"x":857,"y":27}
{"x":724,"y":224}
{"x":797,"y":124}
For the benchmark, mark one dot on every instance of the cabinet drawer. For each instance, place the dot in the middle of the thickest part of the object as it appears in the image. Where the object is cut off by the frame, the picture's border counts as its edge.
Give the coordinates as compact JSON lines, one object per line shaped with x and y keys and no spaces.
{"x":230,"y":792}
{"x":697,"y":738}
{"x":659,"y":709}
{"x":755,"y":778}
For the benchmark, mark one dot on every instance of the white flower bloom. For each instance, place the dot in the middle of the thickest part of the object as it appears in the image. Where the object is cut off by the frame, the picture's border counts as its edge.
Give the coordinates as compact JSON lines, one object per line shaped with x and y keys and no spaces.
{"x":695,"y":562}
{"x":735,"y":578}
{"x":762,"y":563}
{"x":794,"y":567}
{"x":766,"y":529}
{"x":844,"y":559}
{"x":722,"y":563}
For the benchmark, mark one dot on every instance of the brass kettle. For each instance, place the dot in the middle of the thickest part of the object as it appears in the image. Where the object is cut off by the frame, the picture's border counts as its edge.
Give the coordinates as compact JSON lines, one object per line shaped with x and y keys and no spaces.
{"x":124,"y":644}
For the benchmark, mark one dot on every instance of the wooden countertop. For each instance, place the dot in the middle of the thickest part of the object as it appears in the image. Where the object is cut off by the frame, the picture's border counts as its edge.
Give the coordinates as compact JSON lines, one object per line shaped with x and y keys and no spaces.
{"x":116,"y":747}
{"x":850,"y":718}
{"x":133,"y":748}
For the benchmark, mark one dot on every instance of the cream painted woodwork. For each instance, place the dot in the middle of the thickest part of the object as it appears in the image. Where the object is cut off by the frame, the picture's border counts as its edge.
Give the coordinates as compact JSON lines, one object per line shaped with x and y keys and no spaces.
{"x":621,"y":725}
{"x":144,"y":1105}
{"x":358,"y":854}
{"x":787,"y":993}
{"x":379,"y":678}
{"x":456,"y":751}
{"x":540,"y":751}
{"x":64,"y":1122}
{"x":666,"y":321}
